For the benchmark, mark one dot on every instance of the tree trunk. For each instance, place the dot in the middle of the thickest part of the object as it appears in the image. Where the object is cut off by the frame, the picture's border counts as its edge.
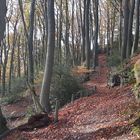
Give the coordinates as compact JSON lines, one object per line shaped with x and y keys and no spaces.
{"x":3,"y":123}
{"x":3,"y":10}
{"x":30,"y":44}
{"x":108,"y":31}
{"x":60,"y":34}
{"x":130,"y":37}
{"x":87,"y":42}
{"x":22,"y":17}
{"x":83,"y":33}
{"x":120,"y":26}
{"x":136,"y":38}
{"x":72,"y":34}
{"x":125,"y":29}
{"x":18,"y":58}
{"x":95,"y":59}
{"x":12,"y":56}
{"x":45,"y":90}
{"x":67,"y":34}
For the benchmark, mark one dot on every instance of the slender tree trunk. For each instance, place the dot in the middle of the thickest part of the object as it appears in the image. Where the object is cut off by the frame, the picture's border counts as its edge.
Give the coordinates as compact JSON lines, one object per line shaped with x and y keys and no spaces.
{"x":87,"y":42}
{"x":125,"y":29}
{"x":18,"y":58}
{"x":30,"y":44}
{"x":3,"y":123}
{"x":130,"y":37}
{"x":96,"y":34}
{"x":3,"y":10}
{"x":72,"y":34}
{"x":23,"y":19}
{"x":12,"y":56}
{"x":67,"y":34}
{"x":45,"y":90}
{"x":81,"y":37}
{"x":60,"y":34}
{"x":120,"y":26}
{"x":108,"y":31}
{"x":5,"y":52}
{"x":136,"y":37}
{"x":83,"y":33}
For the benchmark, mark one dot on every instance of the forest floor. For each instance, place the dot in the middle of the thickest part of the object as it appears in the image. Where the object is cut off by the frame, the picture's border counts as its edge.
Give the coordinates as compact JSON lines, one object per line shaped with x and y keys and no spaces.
{"x":105,"y":115}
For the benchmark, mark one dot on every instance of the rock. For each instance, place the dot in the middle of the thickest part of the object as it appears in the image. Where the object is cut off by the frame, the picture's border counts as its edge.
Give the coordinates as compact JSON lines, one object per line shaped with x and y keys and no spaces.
{"x":114,"y":80}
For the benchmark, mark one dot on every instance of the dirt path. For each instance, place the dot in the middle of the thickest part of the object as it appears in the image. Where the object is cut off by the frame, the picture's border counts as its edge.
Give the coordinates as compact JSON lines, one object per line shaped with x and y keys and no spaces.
{"x":98,"y":117}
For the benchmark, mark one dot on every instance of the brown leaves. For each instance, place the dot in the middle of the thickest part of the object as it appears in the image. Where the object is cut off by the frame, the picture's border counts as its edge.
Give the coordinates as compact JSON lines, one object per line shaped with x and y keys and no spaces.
{"x":92,"y":118}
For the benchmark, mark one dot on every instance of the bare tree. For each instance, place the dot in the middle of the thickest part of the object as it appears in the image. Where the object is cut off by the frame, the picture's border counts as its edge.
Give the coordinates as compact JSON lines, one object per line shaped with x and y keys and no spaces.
{"x":30,"y":43}
{"x":136,"y":38}
{"x":87,"y":41}
{"x":3,"y":11}
{"x":125,"y":29}
{"x":95,"y":58}
{"x":45,"y":90}
{"x":130,"y":37}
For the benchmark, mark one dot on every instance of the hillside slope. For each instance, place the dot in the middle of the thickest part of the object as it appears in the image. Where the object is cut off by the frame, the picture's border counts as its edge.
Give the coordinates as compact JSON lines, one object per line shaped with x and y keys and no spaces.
{"x":102,"y":116}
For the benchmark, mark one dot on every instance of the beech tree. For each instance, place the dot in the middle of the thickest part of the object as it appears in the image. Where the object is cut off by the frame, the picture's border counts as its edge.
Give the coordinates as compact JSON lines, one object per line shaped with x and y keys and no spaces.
{"x":130,"y":28}
{"x":3,"y":10}
{"x":45,"y":90}
{"x":87,"y":41}
{"x":96,"y":18}
{"x":125,"y":28}
{"x":136,"y":37}
{"x":30,"y":43}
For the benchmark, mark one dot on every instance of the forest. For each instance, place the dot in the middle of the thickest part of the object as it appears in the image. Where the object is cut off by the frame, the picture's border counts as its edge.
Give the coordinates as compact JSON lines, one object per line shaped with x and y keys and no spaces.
{"x":70,"y":70}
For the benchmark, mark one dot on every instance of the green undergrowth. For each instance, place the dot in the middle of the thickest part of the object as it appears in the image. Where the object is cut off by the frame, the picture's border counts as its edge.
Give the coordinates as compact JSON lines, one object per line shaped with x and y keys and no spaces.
{"x":136,"y":126}
{"x":11,"y":99}
{"x":114,"y":59}
{"x":18,"y":87}
{"x":64,"y":85}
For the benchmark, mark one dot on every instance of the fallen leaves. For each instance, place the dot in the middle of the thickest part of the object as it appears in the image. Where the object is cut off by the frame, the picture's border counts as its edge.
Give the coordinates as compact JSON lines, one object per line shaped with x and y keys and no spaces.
{"x":98,"y":117}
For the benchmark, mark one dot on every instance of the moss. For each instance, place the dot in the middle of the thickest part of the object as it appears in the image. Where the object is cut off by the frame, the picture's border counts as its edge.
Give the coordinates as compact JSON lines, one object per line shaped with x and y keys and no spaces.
{"x":137,"y":71}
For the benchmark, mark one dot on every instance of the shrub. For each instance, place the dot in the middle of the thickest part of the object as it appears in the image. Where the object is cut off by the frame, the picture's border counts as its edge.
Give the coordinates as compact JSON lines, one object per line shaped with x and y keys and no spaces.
{"x":18,"y":85}
{"x":10,"y":99}
{"x":63,"y":84}
{"x":136,"y":130}
{"x":30,"y":111}
{"x":115,"y":58}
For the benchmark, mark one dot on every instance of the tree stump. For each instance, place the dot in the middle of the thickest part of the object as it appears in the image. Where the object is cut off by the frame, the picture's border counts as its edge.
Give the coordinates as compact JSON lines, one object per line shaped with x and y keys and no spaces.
{"x":3,"y":123}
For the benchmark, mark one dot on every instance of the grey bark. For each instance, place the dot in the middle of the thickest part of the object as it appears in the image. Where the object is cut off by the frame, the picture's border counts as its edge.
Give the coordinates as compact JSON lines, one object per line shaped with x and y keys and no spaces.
{"x":67,"y":34}
{"x":60,"y":33}
{"x":3,"y":10}
{"x":22,"y":16}
{"x":87,"y":41}
{"x":83,"y":33}
{"x":45,"y":90}
{"x":120,"y":26}
{"x":125,"y":29}
{"x":12,"y":56}
{"x":129,"y":40}
{"x":96,"y":34}
{"x":136,"y":37}
{"x":30,"y":44}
